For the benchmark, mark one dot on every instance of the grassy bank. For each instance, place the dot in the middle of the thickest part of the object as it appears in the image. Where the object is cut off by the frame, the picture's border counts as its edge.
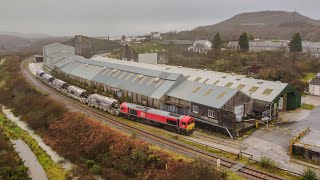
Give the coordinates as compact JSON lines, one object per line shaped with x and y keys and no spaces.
{"x":11,"y":130}
{"x":11,"y":165}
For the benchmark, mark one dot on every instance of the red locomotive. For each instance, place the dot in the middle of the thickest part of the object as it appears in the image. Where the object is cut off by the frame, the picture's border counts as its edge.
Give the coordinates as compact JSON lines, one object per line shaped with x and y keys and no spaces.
{"x":170,"y":121}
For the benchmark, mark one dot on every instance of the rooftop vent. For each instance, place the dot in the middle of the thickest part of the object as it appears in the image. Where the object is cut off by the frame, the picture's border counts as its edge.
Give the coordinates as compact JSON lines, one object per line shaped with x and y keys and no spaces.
{"x":104,"y":68}
{"x":180,"y":66}
{"x":260,"y":81}
{"x":156,"y":79}
{"x":115,"y":70}
{"x":141,"y":76}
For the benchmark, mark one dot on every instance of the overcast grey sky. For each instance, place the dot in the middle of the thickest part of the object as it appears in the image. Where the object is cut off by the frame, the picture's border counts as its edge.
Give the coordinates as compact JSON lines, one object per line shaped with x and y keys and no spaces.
{"x":116,"y":17}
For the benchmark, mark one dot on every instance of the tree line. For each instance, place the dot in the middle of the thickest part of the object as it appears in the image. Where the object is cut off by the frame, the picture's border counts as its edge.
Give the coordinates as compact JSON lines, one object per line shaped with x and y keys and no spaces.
{"x":295,"y":44}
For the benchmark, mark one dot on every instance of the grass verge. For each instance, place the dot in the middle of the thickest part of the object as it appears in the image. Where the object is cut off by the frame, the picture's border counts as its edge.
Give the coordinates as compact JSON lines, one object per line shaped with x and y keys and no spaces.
{"x":11,"y":130}
{"x":307,"y":106}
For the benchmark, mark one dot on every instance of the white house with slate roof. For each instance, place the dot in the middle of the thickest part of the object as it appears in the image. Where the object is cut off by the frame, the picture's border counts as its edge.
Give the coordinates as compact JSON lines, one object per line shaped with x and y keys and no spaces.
{"x":314,"y":86}
{"x":201,"y":46}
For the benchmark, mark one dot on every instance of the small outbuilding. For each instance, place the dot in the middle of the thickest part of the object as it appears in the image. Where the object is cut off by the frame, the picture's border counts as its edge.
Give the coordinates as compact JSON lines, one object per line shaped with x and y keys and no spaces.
{"x":37,"y":58}
{"x":314,"y":86}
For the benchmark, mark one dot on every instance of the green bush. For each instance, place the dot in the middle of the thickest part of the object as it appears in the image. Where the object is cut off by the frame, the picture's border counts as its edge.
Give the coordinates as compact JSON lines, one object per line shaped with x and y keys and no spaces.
{"x":309,"y":174}
{"x":95,"y":169}
{"x":199,"y":170}
{"x":267,"y":163}
{"x":139,"y":156}
{"x":89,"y":163}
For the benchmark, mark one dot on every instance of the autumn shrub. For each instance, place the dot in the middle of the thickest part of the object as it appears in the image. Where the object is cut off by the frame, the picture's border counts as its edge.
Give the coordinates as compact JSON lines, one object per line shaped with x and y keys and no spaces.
{"x":79,"y":137}
{"x":11,"y":165}
{"x":35,"y":108}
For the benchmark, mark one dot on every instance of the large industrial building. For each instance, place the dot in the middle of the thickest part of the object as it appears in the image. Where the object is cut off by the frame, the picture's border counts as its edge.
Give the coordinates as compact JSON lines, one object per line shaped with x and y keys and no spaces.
{"x":216,"y":100}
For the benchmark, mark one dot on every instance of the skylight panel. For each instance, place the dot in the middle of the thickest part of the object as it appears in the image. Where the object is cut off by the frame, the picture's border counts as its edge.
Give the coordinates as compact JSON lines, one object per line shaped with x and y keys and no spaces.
{"x":196,"y":89}
{"x":253,"y":89}
{"x":208,"y":92}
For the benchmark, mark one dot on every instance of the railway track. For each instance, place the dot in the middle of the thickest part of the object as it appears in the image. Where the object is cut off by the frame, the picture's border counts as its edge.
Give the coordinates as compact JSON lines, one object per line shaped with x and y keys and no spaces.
{"x":245,"y":171}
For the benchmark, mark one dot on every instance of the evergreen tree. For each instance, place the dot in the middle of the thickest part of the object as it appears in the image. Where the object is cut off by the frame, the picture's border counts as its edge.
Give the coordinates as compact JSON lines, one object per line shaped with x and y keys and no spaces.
{"x":217,"y":42}
{"x":295,"y":44}
{"x":244,"y":42}
{"x":251,"y":37}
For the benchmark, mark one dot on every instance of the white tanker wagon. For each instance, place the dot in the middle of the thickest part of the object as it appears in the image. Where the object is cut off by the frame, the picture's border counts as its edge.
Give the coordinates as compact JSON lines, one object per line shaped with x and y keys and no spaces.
{"x":60,"y":85}
{"x":39,"y":73}
{"x":104,"y":103}
{"x":77,"y":93}
{"x":47,"y":78}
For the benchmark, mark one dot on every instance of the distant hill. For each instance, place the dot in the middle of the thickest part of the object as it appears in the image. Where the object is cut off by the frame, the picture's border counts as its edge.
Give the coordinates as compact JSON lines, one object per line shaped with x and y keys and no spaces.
{"x":88,"y":46}
{"x":27,"y":35}
{"x":10,"y":43}
{"x":263,"y":25}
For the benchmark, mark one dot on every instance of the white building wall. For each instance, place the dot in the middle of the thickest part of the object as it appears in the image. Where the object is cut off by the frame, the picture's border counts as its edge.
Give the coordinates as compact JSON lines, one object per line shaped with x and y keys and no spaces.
{"x":55,"y":50}
{"x":150,"y":58}
{"x":314,"y":90}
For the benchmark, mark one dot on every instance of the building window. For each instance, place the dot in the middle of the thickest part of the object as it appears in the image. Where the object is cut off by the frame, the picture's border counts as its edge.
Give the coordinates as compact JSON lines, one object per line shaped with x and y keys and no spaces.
{"x":173,"y":108}
{"x":211,"y":113}
{"x":195,"y":109}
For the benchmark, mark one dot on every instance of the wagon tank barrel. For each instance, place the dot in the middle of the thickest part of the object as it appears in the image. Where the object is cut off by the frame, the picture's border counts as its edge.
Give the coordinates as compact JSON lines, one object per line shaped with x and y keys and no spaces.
{"x":103,"y":99}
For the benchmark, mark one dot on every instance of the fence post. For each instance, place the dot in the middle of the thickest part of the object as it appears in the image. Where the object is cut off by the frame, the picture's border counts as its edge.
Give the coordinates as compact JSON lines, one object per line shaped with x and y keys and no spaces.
{"x":166,"y":171}
{"x":218,"y":164}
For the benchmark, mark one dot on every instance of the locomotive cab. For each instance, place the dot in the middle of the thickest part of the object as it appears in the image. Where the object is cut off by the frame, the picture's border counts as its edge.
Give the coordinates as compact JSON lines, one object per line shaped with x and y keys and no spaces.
{"x":187,"y":125}
{"x":124,"y":108}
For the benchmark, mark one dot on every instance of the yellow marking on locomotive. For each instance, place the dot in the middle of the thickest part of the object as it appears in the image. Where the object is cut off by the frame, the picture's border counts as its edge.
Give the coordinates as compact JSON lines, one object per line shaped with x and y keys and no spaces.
{"x":190,"y":126}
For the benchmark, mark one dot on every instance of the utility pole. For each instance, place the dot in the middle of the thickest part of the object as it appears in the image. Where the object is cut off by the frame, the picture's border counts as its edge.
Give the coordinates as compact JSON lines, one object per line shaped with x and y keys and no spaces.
{"x":166,"y":171}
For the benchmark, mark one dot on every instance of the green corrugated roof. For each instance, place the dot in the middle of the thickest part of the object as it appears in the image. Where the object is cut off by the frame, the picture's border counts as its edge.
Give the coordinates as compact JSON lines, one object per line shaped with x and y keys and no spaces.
{"x":143,"y":48}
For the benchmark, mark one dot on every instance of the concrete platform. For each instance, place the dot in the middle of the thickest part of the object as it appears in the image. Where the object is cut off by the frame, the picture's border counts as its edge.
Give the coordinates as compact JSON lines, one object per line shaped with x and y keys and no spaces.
{"x":308,"y":146}
{"x":310,"y":141}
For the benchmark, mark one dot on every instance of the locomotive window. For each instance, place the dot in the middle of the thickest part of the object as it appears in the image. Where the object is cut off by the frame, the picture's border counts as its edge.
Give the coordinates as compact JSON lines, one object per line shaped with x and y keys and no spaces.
{"x":133,"y":112}
{"x":183,"y":123}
